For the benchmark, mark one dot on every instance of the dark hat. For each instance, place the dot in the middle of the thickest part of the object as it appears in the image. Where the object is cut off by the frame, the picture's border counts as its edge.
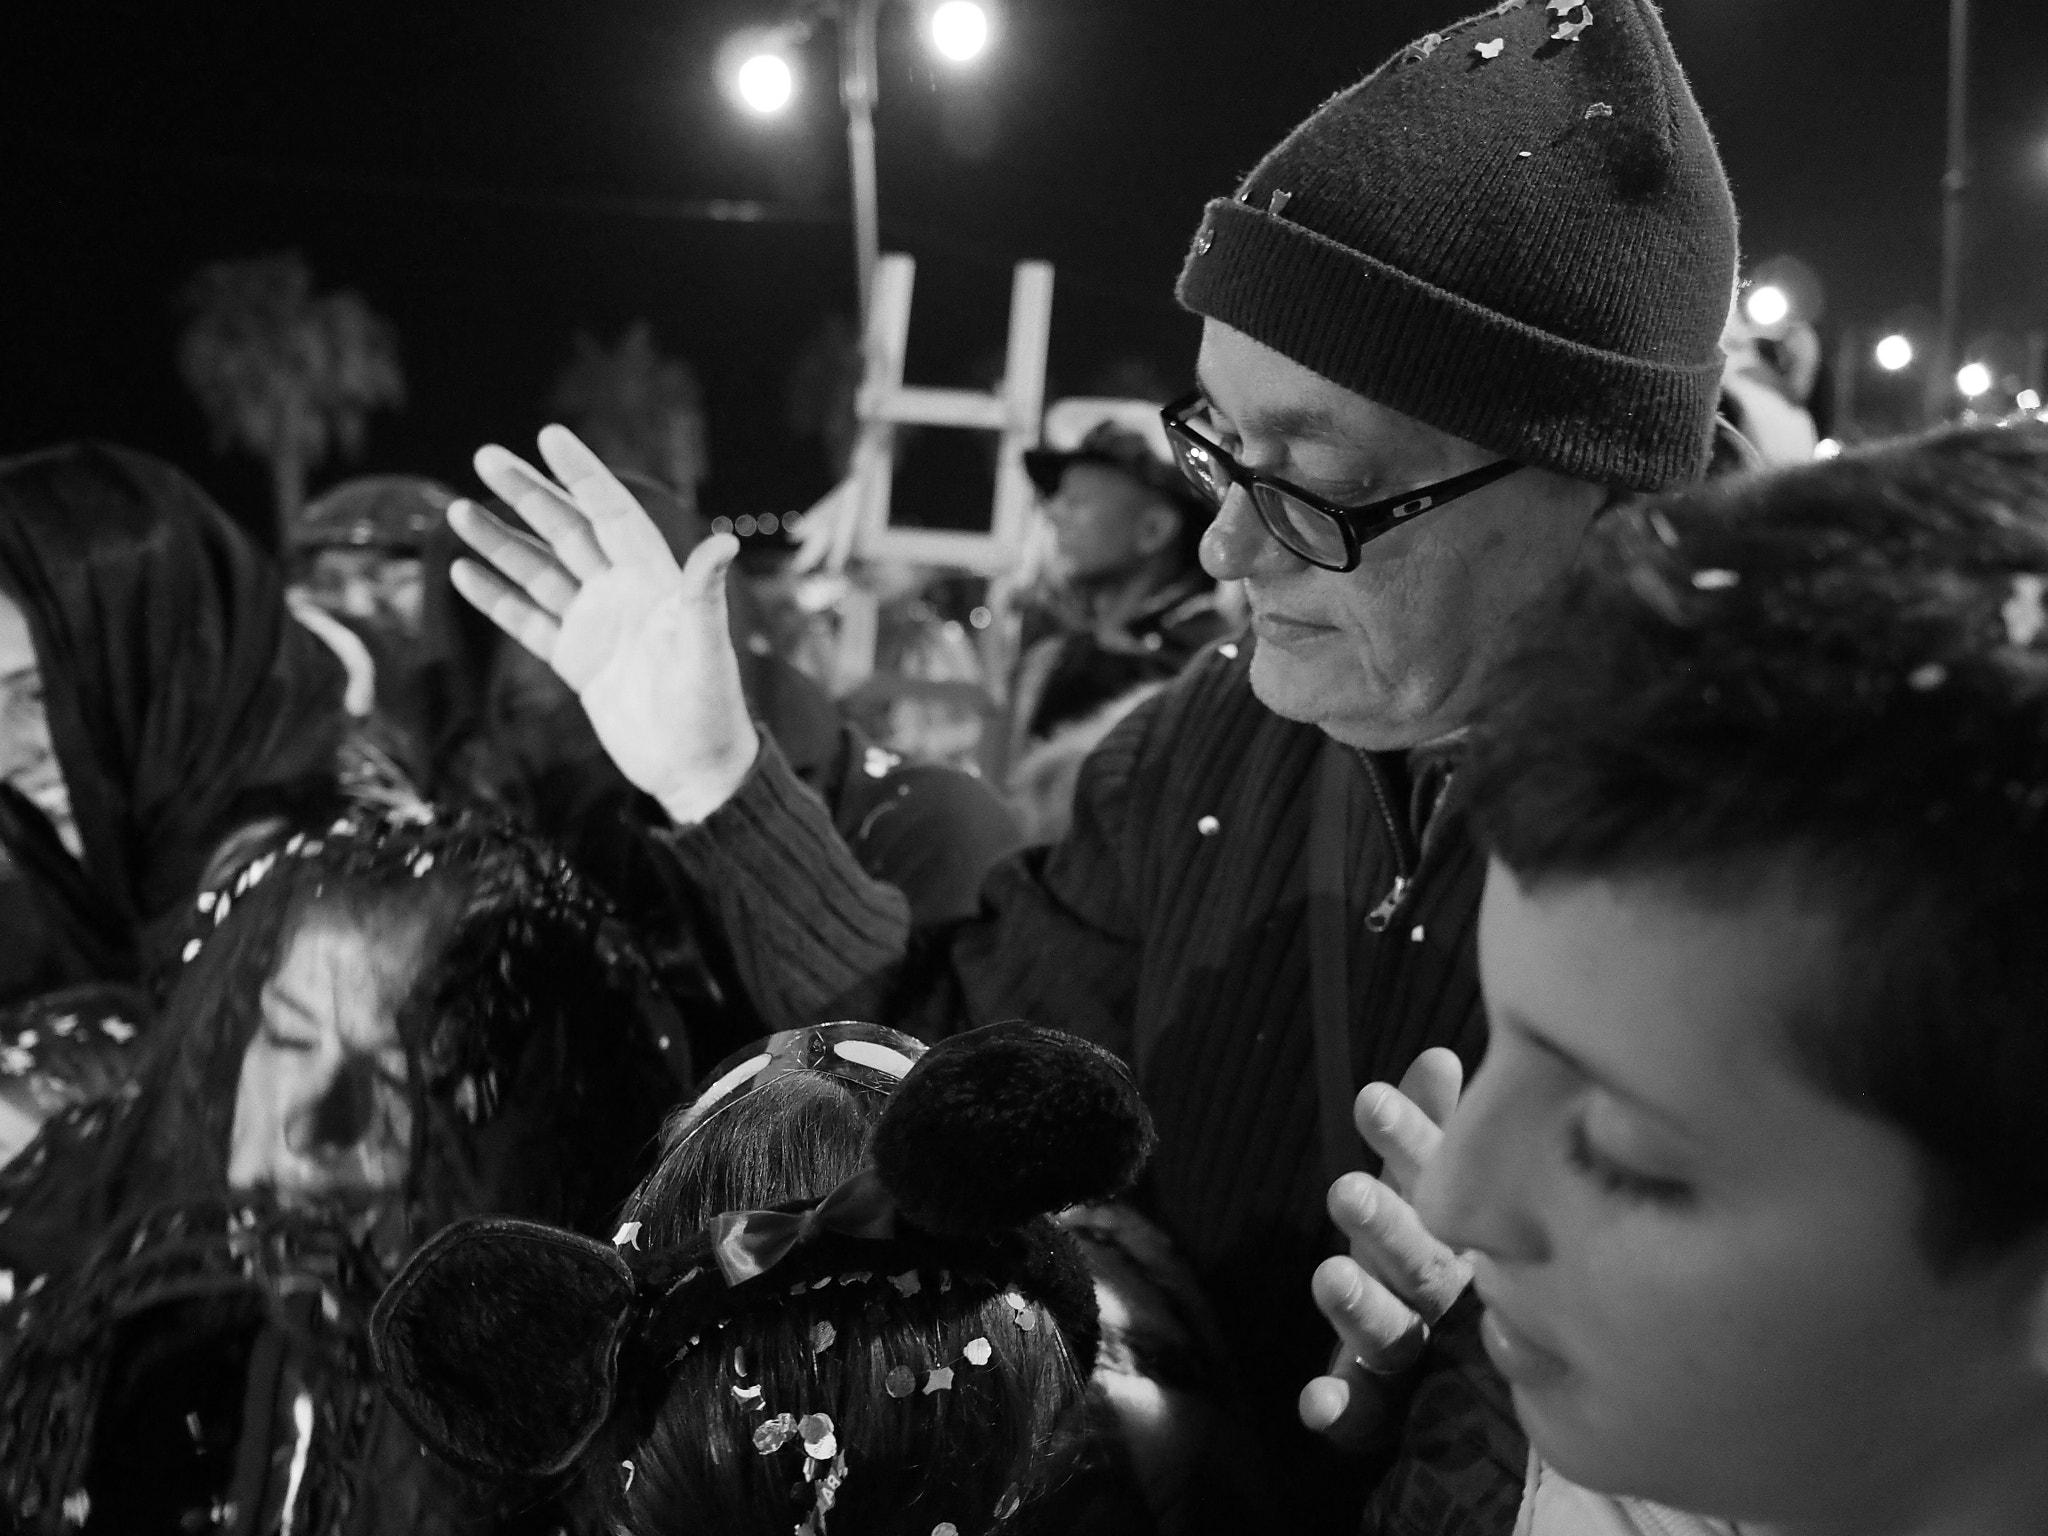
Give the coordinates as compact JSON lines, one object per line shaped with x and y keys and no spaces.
{"x":1516,"y":230}
{"x":1122,"y":448}
{"x":396,"y":514}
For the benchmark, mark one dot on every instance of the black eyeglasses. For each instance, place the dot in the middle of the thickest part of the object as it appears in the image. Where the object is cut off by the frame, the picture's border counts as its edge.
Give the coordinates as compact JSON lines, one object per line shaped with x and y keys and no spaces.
{"x":1319,"y":531}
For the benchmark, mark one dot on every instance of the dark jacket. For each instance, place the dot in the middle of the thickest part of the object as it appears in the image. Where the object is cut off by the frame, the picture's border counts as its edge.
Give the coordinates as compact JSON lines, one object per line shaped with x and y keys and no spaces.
{"x":1171,"y":926}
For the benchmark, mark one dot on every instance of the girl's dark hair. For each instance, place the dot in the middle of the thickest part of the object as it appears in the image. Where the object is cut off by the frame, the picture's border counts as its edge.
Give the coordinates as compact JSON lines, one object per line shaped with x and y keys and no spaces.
{"x":1832,"y":680}
{"x":977,"y":1453}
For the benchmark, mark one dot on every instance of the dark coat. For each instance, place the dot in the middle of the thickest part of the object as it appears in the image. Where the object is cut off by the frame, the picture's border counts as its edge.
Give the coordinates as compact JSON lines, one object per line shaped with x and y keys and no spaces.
{"x":1171,"y":925}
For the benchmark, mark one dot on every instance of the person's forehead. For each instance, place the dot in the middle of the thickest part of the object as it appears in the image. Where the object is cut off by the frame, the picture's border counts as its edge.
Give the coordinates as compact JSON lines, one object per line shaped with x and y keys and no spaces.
{"x":343,"y":977}
{"x":17,"y":646}
{"x":1687,"y":1004}
{"x":1265,"y":393}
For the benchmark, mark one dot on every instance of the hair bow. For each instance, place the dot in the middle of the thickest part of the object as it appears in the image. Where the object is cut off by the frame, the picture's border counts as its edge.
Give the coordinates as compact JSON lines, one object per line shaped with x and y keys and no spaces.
{"x":750,"y":1243}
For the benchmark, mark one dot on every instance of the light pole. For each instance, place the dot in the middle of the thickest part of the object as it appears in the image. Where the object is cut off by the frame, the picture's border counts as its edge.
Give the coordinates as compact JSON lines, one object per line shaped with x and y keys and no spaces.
{"x":1955,"y":189}
{"x":959,"y":31}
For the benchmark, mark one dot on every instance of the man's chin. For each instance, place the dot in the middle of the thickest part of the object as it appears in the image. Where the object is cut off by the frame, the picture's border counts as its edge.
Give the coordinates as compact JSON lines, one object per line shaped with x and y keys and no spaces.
{"x":1319,"y":696}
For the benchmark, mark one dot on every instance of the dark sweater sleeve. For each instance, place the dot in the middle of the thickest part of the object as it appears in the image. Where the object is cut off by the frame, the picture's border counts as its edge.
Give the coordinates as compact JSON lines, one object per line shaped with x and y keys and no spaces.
{"x":812,"y":935}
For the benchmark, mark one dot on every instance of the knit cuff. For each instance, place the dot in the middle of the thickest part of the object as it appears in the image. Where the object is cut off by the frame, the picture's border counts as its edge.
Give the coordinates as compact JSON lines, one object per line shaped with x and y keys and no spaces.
{"x":1467,"y":370}
{"x":803,"y":922}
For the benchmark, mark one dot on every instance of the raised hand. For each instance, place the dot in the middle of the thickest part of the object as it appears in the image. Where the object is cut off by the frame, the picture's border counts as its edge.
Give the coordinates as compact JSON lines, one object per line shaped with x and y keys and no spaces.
{"x":599,"y":597}
{"x":1398,"y":1280}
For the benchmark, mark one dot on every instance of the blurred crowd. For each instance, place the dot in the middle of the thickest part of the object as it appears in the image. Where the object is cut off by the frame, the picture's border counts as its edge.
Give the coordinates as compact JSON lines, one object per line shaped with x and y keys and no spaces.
{"x":496,"y":1036}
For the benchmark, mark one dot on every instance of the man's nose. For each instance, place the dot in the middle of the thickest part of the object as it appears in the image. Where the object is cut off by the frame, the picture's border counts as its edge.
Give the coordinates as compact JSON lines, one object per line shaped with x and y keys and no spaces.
{"x":341,"y":1117}
{"x":1237,"y":544}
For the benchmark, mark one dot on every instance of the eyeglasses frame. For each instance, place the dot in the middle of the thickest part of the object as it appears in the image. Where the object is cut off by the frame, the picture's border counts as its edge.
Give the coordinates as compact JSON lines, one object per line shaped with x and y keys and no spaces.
{"x":1358,"y":526}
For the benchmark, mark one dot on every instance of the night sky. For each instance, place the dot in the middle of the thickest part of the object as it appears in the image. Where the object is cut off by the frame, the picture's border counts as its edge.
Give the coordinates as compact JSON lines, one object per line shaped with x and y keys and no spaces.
{"x":495,"y":176}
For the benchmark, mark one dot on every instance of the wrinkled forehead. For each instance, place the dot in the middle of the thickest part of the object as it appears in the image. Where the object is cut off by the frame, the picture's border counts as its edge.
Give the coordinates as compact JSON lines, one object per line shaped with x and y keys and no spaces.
{"x":344,"y":971}
{"x":1264,"y":395}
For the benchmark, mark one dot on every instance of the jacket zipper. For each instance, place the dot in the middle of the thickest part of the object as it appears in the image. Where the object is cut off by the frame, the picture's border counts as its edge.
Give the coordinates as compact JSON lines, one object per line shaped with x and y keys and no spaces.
{"x":1382,"y":916}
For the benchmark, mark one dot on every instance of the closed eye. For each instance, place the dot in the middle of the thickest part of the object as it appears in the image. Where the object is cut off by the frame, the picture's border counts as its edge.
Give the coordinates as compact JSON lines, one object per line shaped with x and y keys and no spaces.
{"x":1618,"y":1179}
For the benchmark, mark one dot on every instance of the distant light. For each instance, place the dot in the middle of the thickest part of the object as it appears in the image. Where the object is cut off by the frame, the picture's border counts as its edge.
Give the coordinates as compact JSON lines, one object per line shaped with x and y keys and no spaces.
{"x":1894,"y":353}
{"x":1973,"y":379}
{"x":1768,"y":305}
{"x":769,"y":524}
{"x":960,"y":30}
{"x":765,"y":83}
{"x":721,"y":525}
{"x":981,"y":618}
{"x":2029,"y":400}
{"x":792,"y":523}
{"x":1827,"y":448}
{"x":745,"y":525}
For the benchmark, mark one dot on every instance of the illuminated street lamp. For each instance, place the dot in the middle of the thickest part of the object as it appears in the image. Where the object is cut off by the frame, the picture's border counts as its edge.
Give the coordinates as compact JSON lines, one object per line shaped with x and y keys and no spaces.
{"x":1974,"y":380}
{"x":1895,"y":353}
{"x":764,"y":81}
{"x":1768,"y":305}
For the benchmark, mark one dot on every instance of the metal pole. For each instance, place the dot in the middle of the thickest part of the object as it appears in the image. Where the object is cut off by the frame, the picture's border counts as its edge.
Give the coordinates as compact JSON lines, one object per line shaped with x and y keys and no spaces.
{"x":1955,"y":188}
{"x":858,"y":85}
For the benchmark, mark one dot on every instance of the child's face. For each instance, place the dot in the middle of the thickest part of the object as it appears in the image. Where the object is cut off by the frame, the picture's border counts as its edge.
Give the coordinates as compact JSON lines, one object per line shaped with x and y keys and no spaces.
{"x":1703,"y":1277}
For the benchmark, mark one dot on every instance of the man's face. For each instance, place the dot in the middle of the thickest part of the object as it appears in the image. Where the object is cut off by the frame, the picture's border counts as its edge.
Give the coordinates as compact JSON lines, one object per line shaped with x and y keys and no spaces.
{"x":322,"y":1114}
{"x":1703,"y":1276}
{"x":1105,"y":523}
{"x":372,"y":586}
{"x":1393,"y":653}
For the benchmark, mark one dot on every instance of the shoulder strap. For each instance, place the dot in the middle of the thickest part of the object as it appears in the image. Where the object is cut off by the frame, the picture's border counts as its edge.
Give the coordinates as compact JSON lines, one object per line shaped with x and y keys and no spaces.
{"x":1330,"y":837}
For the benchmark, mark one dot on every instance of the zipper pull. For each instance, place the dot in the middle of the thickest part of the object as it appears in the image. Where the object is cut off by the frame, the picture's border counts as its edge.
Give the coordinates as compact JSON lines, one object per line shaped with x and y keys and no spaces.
{"x":1377,"y":920}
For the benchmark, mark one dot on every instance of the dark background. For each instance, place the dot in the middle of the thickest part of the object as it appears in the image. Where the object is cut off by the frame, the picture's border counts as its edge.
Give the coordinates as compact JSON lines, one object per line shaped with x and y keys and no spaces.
{"x":496,"y":174}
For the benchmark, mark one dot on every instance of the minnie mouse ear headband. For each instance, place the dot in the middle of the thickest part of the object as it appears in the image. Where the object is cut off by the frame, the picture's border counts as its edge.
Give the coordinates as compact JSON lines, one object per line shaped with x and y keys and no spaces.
{"x":508,"y":1346}
{"x":870,"y":1056}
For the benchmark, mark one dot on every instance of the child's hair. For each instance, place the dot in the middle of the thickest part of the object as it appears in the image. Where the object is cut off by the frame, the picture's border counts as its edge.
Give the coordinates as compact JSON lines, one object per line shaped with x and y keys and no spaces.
{"x":994,"y":1439}
{"x":914,"y":1363}
{"x":1833,"y":682}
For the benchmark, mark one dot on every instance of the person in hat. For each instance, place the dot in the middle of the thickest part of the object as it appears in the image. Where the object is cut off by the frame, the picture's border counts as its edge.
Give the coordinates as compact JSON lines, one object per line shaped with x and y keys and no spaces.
{"x":1754,"y":1182}
{"x":1466,"y":307}
{"x":1127,"y":532}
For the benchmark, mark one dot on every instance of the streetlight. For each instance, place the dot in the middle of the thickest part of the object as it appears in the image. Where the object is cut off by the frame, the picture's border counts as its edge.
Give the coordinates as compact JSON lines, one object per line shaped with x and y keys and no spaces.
{"x":1768,"y":305}
{"x":1955,"y":189}
{"x":765,"y":83}
{"x":957,"y":30}
{"x":1895,"y":353}
{"x":1974,"y":380}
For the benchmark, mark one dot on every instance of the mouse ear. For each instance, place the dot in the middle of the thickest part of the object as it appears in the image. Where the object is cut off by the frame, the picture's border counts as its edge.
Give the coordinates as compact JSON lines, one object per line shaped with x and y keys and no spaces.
{"x":499,"y":1344}
{"x":1000,"y":1124}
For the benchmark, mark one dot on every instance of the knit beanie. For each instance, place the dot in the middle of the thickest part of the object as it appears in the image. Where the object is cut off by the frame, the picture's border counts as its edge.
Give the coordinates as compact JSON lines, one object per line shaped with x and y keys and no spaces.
{"x":1516,"y":230}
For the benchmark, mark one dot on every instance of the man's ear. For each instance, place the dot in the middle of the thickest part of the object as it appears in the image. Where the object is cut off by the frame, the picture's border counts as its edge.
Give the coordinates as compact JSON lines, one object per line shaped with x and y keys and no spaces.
{"x":1158,"y":529}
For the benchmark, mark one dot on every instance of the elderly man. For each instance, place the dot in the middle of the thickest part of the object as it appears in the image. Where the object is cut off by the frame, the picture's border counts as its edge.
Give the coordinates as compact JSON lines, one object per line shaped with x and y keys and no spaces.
{"x":1463,"y":308}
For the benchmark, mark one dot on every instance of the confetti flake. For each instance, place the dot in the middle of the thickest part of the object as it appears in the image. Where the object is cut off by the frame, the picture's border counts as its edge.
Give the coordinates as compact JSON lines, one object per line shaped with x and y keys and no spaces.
{"x":1715,"y":581}
{"x":1208,"y":826}
{"x":206,"y":901}
{"x":191,"y":951}
{"x":978,"y":1351}
{"x":1228,"y":652}
{"x":773,"y":1434}
{"x":945,"y":1528}
{"x":1028,"y":1321}
{"x":627,"y":1236}
{"x":1417,"y":934}
{"x":1599,"y":109}
{"x":6,"y":1286}
{"x":77,"y":1507}
{"x":857,"y":1277}
{"x":1006,"y":1506}
{"x":1204,"y":241}
{"x":15,"y":1062}
{"x":878,"y":764}
{"x":1492,"y":50}
{"x":823,"y":1336}
{"x":1928,"y":678}
{"x":630,"y":1472}
{"x":2026,"y":618}
{"x":940,"y":1380}
{"x":1568,"y":31}
{"x":901,"y":1382}
{"x":1015,"y":1301}
{"x":1423,"y":47}
{"x":820,"y":1443}
{"x":739,"y":1360}
{"x":426,"y":862}
{"x":907,"y":1283}
{"x":750,"y":1395}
